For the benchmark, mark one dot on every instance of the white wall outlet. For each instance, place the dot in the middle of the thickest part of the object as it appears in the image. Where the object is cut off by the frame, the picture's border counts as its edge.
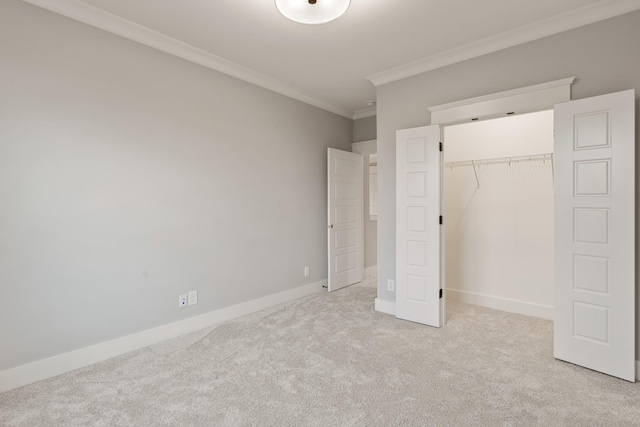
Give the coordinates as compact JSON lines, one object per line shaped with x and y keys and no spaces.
{"x":306,"y":271}
{"x":193,"y":297}
{"x":182,"y":300}
{"x":391,"y":285}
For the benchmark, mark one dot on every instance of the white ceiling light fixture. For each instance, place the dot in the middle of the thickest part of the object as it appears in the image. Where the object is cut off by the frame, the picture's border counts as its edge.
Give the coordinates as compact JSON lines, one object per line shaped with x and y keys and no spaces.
{"x":312,"y":11}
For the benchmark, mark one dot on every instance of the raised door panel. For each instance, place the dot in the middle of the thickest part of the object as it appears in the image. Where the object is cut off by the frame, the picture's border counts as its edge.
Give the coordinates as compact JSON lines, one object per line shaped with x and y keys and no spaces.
{"x":594,"y":234}
{"x":345,"y":200}
{"x":417,"y":227}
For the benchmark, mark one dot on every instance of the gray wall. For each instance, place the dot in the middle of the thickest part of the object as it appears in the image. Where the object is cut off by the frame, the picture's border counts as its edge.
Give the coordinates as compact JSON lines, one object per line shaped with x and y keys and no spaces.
{"x":603,"y":56}
{"x":364,"y":129}
{"x":128,"y":177}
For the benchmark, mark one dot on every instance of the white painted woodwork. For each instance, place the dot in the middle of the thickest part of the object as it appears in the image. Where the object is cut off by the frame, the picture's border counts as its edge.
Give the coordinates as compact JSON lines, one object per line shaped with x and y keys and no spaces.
{"x":365,"y":147}
{"x":373,"y":188}
{"x":207,"y":34}
{"x":345,"y":228}
{"x":592,"y":12}
{"x":69,"y":361}
{"x":522,"y":100}
{"x":370,"y":148}
{"x":418,"y":164}
{"x":364,"y":112}
{"x":594,"y":276}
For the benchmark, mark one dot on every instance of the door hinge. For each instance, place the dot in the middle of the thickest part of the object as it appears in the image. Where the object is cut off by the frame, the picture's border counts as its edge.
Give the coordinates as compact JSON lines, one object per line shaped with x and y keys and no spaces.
{"x":440,"y":293}
{"x":441,"y":146}
{"x":440,"y":219}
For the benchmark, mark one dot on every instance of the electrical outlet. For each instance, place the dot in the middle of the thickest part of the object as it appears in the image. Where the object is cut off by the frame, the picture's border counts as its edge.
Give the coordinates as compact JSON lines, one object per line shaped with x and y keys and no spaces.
{"x":193,"y":297}
{"x":182,"y":300}
{"x":391,"y":285}
{"x":306,"y":271}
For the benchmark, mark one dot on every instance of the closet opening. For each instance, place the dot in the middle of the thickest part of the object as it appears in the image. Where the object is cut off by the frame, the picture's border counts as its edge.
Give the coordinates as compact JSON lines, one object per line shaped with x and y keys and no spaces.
{"x":498,"y":213}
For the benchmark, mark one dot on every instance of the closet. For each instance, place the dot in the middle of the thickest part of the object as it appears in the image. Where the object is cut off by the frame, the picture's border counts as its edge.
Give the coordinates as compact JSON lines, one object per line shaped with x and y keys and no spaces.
{"x":487,"y":217}
{"x":498,"y":210}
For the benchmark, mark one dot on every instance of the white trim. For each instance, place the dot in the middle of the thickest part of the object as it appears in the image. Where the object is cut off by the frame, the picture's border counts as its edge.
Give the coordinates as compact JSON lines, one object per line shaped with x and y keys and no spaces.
{"x":114,"y":24}
{"x":365,"y":147}
{"x":364,"y":112}
{"x":569,"y":20}
{"x":371,"y":271}
{"x":60,"y":364}
{"x":522,"y":100}
{"x":387,"y":307}
{"x":504,"y":94}
{"x":504,"y":304}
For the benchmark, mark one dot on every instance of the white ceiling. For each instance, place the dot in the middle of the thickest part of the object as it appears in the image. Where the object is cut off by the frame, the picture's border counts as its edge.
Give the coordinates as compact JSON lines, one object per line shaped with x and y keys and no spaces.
{"x":329,"y":65}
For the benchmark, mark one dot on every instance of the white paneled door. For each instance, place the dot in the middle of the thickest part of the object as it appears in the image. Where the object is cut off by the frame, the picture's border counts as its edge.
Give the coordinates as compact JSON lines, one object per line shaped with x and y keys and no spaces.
{"x":418,"y":247}
{"x":346,"y":250}
{"x":595,"y":233}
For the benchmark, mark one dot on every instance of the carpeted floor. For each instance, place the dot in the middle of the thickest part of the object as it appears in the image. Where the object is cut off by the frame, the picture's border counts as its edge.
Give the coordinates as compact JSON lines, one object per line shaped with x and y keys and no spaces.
{"x":331,"y":360}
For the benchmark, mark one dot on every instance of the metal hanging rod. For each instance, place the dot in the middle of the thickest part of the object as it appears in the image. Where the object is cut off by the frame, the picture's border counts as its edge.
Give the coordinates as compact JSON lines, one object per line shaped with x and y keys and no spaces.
{"x":503,"y":160}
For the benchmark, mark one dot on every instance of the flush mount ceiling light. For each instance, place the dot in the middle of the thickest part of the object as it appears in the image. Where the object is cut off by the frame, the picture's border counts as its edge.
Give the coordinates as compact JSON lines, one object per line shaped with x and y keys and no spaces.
{"x":312,"y":11}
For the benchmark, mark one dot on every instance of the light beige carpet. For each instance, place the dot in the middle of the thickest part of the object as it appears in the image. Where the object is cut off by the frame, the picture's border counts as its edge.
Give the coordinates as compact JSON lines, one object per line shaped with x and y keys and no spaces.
{"x":331,"y":360}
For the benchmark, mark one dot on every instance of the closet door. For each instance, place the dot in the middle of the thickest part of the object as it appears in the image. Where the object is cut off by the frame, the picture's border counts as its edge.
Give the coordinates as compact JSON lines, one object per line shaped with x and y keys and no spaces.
{"x":595,"y":233}
{"x":418,"y":165}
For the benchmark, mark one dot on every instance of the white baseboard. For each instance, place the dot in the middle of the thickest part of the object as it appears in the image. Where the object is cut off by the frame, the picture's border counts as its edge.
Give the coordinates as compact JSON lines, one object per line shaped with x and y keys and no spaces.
{"x":387,"y":307}
{"x":371,"y":271}
{"x":504,"y":304}
{"x":66,"y":362}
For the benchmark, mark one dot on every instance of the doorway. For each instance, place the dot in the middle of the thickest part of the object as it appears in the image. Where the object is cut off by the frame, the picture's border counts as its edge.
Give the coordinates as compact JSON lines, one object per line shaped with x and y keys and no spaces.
{"x":498,"y":210}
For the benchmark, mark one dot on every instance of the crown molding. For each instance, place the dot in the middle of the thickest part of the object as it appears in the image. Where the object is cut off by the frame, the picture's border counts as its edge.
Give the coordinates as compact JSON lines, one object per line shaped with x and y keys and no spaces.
{"x":364,"y":112}
{"x":90,"y":15}
{"x":594,"y":12}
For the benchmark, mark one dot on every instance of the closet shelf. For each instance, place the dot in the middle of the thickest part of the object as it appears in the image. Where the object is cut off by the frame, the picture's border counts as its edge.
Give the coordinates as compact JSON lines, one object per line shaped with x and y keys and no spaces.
{"x":502,"y":160}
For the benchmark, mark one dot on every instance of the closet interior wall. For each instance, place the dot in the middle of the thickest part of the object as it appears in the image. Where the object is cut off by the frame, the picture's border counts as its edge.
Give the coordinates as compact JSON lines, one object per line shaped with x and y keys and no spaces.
{"x":499,"y":216}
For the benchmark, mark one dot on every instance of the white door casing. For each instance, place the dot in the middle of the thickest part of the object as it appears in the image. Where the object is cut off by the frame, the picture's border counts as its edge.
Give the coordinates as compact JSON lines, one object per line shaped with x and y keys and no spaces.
{"x":418,"y":169}
{"x":345,"y":218}
{"x":594,"y":257}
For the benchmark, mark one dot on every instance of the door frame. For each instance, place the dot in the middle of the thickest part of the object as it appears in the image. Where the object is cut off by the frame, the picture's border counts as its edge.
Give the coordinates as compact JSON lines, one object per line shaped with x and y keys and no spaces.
{"x":497,"y":302}
{"x":366,"y":149}
{"x":528,"y":99}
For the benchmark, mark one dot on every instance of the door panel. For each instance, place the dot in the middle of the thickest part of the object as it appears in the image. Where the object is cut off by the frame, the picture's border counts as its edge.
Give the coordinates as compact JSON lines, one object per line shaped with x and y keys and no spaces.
{"x":418,"y":164}
{"x":345,"y":217}
{"x":595,"y":233}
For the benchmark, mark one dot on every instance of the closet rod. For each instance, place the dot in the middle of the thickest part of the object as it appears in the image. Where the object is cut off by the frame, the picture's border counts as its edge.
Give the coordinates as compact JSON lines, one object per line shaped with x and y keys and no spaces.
{"x":502,"y":160}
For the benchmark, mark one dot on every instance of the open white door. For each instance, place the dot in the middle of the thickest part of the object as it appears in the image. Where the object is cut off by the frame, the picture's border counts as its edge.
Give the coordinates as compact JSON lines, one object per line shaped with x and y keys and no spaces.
{"x":595,"y":233}
{"x":345,"y":217}
{"x":418,"y":166}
